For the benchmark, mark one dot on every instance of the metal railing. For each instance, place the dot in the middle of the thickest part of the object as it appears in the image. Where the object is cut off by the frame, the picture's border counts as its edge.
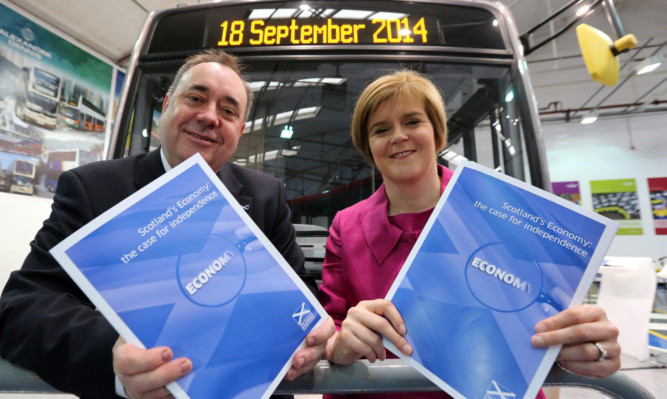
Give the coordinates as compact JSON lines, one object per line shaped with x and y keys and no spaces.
{"x":392,"y":375}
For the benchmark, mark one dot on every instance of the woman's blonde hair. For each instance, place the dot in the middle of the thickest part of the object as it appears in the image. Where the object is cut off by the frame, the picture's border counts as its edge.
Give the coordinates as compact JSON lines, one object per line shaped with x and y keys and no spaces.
{"x":407,"y":85}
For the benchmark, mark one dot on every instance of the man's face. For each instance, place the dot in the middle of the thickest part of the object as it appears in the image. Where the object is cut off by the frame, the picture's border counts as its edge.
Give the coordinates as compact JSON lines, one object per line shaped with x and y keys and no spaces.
{"x":204,"y":114}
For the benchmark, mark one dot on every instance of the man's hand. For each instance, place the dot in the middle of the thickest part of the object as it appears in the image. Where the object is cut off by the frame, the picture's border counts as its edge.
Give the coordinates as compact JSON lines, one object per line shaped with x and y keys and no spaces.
{"x":578,"y":329}
{"x":144,"y":373}
{"x":316,"y":342}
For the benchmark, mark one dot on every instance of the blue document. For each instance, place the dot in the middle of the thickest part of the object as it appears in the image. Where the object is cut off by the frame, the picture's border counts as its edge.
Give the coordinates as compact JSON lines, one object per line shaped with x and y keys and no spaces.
{"x":496,"y":257}
{"x":181,"y":264}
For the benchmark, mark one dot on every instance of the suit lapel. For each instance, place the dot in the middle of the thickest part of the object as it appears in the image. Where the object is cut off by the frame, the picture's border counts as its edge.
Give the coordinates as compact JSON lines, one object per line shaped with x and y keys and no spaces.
{"x":148,"y":169}
{"x":228,"y":178}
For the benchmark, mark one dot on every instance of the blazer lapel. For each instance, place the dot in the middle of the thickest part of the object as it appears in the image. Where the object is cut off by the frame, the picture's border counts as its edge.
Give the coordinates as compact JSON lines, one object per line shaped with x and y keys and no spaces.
{"x":381,"y":236}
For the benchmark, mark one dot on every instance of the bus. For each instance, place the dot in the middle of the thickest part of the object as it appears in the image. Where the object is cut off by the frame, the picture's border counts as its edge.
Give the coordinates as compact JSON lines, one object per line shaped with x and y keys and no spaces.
{"x":61,"y":160}
{"x":84,"y":116}
{"x":40,"y":104}
{"x":23,"y":177}
{"x":307,"y":63}
{"x":11,"y":82}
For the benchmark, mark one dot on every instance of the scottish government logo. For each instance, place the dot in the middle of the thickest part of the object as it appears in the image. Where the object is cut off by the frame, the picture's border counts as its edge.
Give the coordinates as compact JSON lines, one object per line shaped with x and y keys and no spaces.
{"x":303,"y":316}
{"x":497,"y":391}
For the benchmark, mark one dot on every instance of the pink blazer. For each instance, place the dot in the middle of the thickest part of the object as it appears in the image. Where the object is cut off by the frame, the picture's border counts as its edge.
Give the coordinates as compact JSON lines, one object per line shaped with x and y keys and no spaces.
{"x":365,"y":252}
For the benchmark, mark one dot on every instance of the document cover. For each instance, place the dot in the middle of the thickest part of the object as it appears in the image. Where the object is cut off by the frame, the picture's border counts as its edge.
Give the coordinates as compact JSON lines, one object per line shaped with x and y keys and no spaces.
{"x":180,"y":263}
{"x":496,"y":256}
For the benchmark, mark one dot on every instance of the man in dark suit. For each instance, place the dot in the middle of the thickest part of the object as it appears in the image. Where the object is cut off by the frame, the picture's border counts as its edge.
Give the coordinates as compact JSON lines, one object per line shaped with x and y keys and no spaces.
{"x":48,"y":325}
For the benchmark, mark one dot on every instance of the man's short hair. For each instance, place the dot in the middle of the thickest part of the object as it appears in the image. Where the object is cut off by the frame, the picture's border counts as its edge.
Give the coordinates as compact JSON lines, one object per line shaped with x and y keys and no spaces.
{"x":220,"y":57}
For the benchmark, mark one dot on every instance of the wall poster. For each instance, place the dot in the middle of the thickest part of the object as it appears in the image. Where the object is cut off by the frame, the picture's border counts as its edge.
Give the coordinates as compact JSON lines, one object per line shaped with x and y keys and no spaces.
{"x":657,"y":187}
{"x":617,"y":199}
{"x":54,"y":98}
{"x":568,"y":190}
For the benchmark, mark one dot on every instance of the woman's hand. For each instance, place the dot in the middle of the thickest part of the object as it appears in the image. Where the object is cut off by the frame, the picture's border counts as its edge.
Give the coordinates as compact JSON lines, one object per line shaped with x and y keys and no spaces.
{"x":579,"y":329}
{"x":362,"y":331}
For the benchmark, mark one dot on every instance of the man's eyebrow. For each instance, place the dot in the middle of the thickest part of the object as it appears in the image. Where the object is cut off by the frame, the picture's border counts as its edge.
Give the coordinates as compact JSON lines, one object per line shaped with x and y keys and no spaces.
{"x":205,"y":89}
{"x":233,"y":101}
{"x":202,"y":88}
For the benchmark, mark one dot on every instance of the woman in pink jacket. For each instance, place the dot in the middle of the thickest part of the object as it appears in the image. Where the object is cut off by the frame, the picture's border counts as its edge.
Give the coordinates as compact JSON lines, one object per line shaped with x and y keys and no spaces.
{"x":399,"y":125}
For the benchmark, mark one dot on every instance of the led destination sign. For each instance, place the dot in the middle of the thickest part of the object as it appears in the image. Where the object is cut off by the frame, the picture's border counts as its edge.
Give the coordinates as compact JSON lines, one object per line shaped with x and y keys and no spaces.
{"x":296,"y":32}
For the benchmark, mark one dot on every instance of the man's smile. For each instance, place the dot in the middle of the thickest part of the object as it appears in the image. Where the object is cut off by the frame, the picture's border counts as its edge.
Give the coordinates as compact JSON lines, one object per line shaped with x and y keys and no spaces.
{"x":200,"y":137}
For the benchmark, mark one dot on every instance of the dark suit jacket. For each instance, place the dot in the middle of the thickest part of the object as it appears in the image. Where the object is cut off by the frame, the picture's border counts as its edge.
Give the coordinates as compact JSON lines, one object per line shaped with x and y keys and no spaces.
{"x":49,"y":326}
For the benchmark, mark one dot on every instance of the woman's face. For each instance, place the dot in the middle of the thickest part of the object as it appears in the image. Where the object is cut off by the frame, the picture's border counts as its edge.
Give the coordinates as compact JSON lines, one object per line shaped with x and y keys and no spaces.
{"x":402,"y":141}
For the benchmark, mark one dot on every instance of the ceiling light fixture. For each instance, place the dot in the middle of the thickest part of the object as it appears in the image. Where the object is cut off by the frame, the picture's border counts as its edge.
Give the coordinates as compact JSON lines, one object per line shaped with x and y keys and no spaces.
{"x":582,"y":11}
{"x":261,"y":13}
{"x":589,"y":118}
{"x":352,"y":14}
{"x":451,"y":157}
{"x":649,"y":64}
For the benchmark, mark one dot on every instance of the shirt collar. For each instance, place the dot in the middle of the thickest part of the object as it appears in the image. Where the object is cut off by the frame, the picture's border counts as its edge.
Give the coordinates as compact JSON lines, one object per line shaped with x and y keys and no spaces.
{"x":166,"y":165}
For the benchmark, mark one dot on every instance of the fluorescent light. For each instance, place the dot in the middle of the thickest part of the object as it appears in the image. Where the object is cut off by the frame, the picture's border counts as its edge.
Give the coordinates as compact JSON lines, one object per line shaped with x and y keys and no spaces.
{"x":290,"y":152}
{"x":352,"y":14}
{"x":589,"y":118}
{"x":648,"y":65}
{"x":648,"y":68}
{"x":451,"y":157}
{"x":582,"y":10}
{"x":306,"y":82}
{"x":284,"y":13}
{"x":510,"y":96}
{"x":257,"y":85}
{"x":283,"y":117}
{"x":509,"y":146}
{"x":268,"y":156}
{"x":261,"y":13}
{"x":334,"y":81}
{"x":387,"y":15}
{"x":307,"y":112}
